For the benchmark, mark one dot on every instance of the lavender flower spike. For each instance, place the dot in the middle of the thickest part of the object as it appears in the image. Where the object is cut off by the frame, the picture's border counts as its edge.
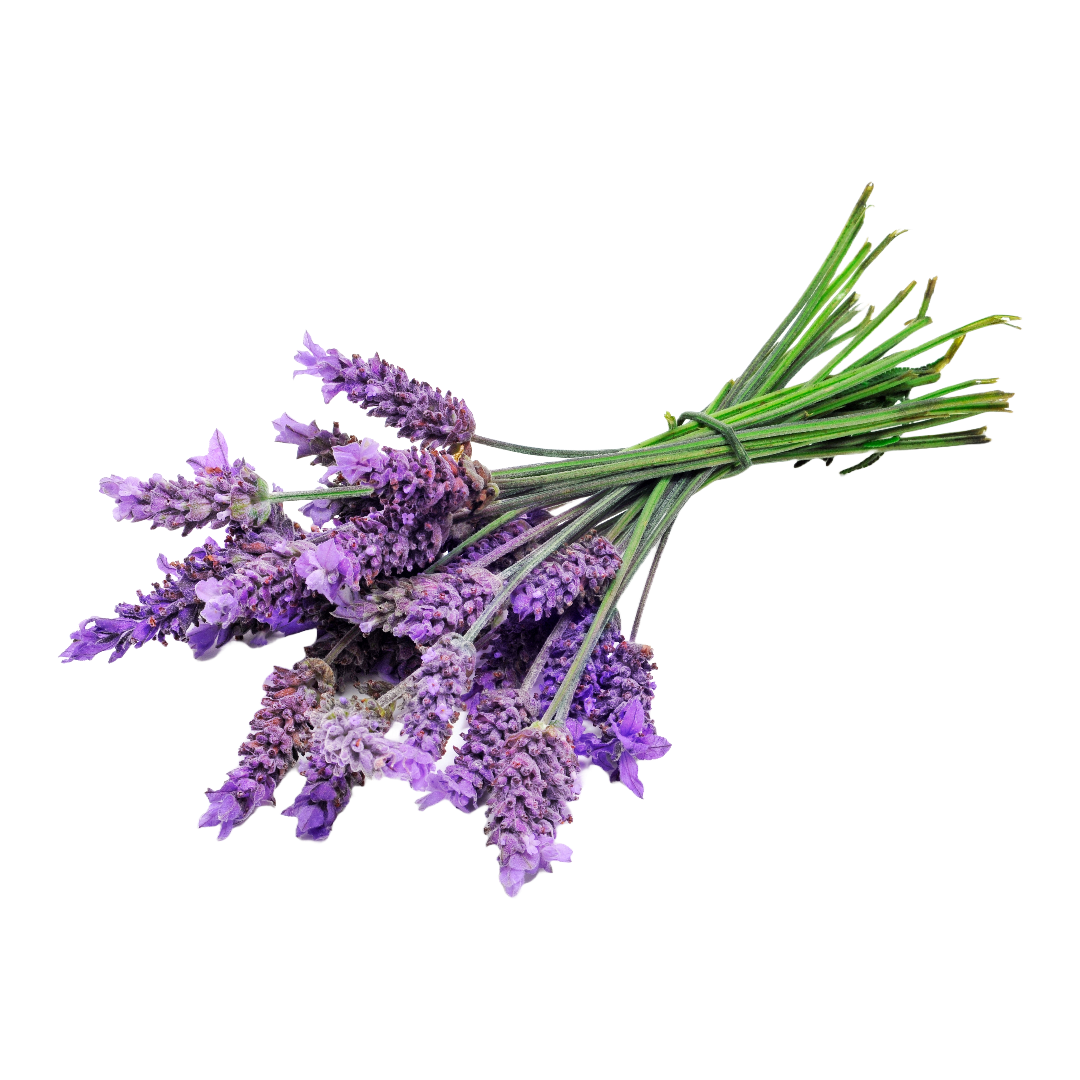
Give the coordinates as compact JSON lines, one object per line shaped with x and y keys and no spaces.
{"x":414,"y":408}
{"x":279,"y":735}
{"x":424,"y":606}
{"x":536,"y":779}
{"x":220,"y":495}
{"x":445,"y":676}
{"x":497,"y":715}
{"x":581,"y":568}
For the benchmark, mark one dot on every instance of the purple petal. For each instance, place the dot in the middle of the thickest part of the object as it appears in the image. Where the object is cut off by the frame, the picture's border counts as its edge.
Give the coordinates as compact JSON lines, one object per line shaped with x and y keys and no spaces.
{"x":628,"y":774}
{"x":651,"y":747}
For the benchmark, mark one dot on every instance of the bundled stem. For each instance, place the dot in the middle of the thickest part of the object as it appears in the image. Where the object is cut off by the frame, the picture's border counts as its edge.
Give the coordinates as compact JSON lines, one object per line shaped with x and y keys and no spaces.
{"x":854,"y":405}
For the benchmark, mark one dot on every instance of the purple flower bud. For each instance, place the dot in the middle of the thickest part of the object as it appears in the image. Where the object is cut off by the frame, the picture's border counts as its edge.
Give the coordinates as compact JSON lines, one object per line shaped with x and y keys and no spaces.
{"x":324,"y":569}
{"x":310,"y":440}
{"x":280,"y":731}
{"x":580,"y":569}
{"x":414,"y":408}
{"x":496,"y":716}
{"x":322,"y":798}
{"x":445,"y":676}
{"x":356,"y":461}
{"x":425,"y":606}
{"x":535,"y":780}
{"x":220,"y":603}
{"x":616,"y":672}
{"x":216,"y":594}
{"x":220,"y":495}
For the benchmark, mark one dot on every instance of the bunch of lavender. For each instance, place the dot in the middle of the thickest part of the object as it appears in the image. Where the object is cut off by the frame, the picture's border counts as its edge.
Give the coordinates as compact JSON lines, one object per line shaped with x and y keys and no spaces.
{"x":440,"y":590}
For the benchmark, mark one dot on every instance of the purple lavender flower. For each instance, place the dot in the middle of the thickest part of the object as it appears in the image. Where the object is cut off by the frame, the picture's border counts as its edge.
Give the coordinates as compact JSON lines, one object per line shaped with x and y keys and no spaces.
{"x":445,"y":676}
{"x":616,"y":672}
{"x":406,"y":521}
{"x":323,"y":797}
{"x":535,"y":781}
{"x":348,"y":747}
{"x":216,"y":594}
{"x":638,"y":743}
{"x":414,"y":408}
{"x":310,"y":440}
{"x":387,"y":543}
{"x":420,"y":607}
{"x":621,"y":743}
{"x":279,"y":735}
{"x":220,"y":602}
{"x":580,"y":569}
{"x":425,"y":606}
{"x":356,"y":461}
{"x":235,"y":801}
{"x":496,"y":716}
{"x":220,"y":495}
{"x":353,"y":736}
{"x":324,"y":569}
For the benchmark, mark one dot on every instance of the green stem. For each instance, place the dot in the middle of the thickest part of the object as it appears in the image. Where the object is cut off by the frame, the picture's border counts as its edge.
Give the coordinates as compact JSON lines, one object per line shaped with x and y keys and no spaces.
{"x":864,"y":332}
{"x":628,"y":468}
{"x":536,"y":451}
{"x":747,"y":383}
{"x":321,"y":493}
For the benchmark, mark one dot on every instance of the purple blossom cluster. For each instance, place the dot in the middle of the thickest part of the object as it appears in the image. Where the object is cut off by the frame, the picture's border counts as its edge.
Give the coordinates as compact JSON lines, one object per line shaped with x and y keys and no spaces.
{"x":280,"y":731}
{"x":444,"y":677}
{"x":246,"y":588}
{"x":495,"y":716}
{"x":474,"y":637}
{"x":377,"y":658}
{"x":536,"y":779}
{"x":311,"y":440}
{"x":582,"y":569}
{"x":618,"y":743}
{"x":418,"y":412}
{"x":425,"y":606}
{"x":616,"y":671}
{"x":220,"y":494}
{"x":326,"y":792}
{"x":348,"y":747}
{"x":484,"y":550}
{"x":405,"y":523}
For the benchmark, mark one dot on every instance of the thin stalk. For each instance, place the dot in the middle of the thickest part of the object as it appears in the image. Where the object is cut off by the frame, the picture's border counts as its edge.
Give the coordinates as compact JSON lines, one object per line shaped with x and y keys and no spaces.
{"x":958,"y":386}
{"x":746,"y":384}
{"x":344,"y":641}
{"x":537,"y":451}
{"x":627,"y":518}
{"x":784,"y":369}
{"x":698,"y":484}
{"x":320,"y":493}
{"x":869,"y":327}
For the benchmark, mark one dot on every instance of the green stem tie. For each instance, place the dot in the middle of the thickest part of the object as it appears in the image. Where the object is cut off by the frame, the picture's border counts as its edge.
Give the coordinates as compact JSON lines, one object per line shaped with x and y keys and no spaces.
{"x":728,"y":433}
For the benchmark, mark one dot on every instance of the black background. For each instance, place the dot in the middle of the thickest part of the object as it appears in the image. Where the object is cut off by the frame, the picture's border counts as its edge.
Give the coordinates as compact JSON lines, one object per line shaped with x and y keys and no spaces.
{"x":819,"y":639}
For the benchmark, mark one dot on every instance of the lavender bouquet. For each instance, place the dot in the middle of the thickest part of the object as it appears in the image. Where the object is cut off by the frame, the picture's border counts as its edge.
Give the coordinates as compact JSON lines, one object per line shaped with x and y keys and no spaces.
{"x":438,"y":589}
